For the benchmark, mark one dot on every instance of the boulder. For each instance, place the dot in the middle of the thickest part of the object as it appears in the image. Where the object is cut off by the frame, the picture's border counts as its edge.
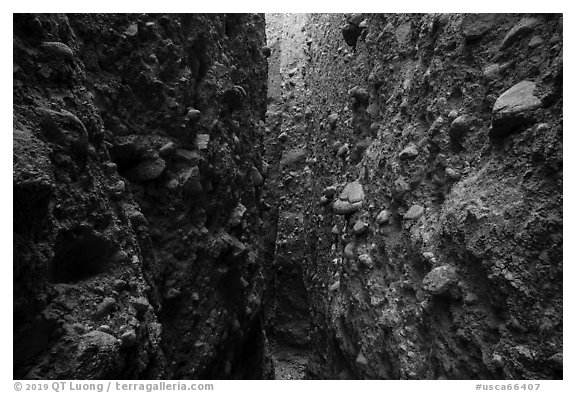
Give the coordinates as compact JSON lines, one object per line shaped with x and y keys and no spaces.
{"x":148,"y":169}
{"x":440,"y":280}
{"x":332,"y":119}
{"x":128,"y":339}
{"x":343,"y":150}
{"x":294,"y":158}
{"x":520,"y":30}
{"x":535,"y":42}
{"x":58,"y":50}
{"x":366,"y":260}
{"x":491,"y":71}
{"x":189,"y":179}
{"x":350,"y":33}
{"x":360,"y":227}
{"x":350,"y":200}
{"x":202,"y":141}
{"x":415,"y":212}
{"x":193,"y":115}
{"x":237,"y":214}
{"x":460,"y":126}
{"x":105,"y":308}
{"x":475,"y":26}
{"x":383,"y":217}
{"x":329,"y":192}
{"x":409,"y":153}
{"x":514,"y":107}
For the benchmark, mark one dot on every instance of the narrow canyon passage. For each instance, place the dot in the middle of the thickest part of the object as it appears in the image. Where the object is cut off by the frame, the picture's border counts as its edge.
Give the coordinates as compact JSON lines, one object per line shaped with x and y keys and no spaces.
{"x":288,"y":196}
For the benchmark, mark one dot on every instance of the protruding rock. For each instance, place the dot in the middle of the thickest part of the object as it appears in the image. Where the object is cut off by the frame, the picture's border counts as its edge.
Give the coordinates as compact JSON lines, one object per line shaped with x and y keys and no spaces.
{"x":356,"y":18}
{"x":105,"y":308}
{"x":471,"y":298}
{"x":147,"y":170}
{"x":452,"y":173}
{"x":409,"y":153}
{"x":360,"y":227}
{"x":415,"y":212}
{"x":332,"y":119}
{"x":350,"y":199}
{"x":167,"y":149}
{"x":360,"y":97}
{"x":436,"y":126}
{"x":514,"y":107}
{"x":283,"y":137}
{"x":140,"y":304}
{"x":135,"y":216}
{"x":440,"y":280}
{"x":335,"y":286}
{"x":294,"y":158}
{"x":191,"y":157}
{"x":266,"y":52}
{"x":350,"y":250}
{"x":366,"y":260}
{"x":461,"y":126}
{"x":117,"y":189}
{"x":65,"y":129}
{"x":557,"y":361}
{"x":383,"y":217}
{"x":492,"y":71}
{"x":350,"y":33}
{"x":535,"y":42}
{"x":58,"y":50}
{"x":256,"y":177}
{"x":202,"y":141}
{"x":128,"y":338}
{"x":474,"y":26}
{"x":98,"y":340}
{"x":361,"y":359}
{"x":329,"y":192}
{"x":343,"y":150}
{"x":234,"y":97}
{"x":189,"y":179}
{"x":105,"y":329}
{"x":403,"y":34}
{"x":520,"y":30}
{"x":237,"y":214}
{"x":193,"y":115}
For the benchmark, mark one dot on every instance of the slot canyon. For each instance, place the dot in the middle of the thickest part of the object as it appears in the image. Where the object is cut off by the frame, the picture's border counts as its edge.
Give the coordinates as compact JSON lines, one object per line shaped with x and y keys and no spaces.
{"x":287,"y":196}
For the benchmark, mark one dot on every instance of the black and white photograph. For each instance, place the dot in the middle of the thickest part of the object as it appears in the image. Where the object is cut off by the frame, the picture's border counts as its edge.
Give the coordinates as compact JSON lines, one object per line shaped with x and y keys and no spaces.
{"x":287,"y":196}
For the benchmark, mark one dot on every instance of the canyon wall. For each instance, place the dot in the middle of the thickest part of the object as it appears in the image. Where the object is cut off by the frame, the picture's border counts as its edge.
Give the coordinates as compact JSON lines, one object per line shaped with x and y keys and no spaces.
{"x":137,"y":182}
{"x":318,"y":196}
{"x":420,"y":158}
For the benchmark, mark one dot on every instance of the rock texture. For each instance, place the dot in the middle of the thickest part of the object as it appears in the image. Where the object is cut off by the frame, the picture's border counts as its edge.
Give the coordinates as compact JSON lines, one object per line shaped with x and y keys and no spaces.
{"x":452,"y":124}
{"x":136,"y":138}
{"x":328,"y":196}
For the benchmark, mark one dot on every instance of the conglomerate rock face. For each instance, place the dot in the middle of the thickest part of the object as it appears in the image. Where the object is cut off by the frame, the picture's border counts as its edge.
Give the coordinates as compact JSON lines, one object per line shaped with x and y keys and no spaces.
{"x":324,"y":196}
{"x":137,"y":218}
{"x":446,"y":132}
